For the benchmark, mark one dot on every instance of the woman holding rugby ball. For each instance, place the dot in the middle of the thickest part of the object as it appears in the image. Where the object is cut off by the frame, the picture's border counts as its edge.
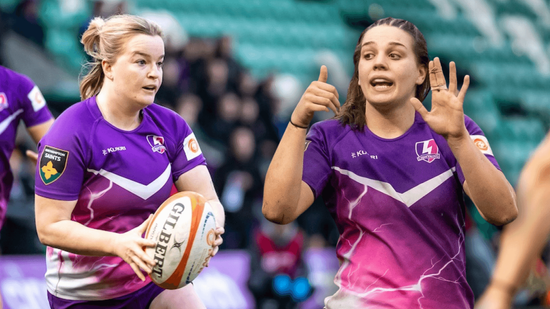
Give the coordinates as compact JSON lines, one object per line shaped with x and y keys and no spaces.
{"x":106,"y":164}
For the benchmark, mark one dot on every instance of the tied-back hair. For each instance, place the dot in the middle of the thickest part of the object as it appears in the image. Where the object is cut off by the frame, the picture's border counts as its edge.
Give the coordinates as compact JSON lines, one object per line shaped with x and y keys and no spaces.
{"x":104,"y":40}
{"x":353,"y":110}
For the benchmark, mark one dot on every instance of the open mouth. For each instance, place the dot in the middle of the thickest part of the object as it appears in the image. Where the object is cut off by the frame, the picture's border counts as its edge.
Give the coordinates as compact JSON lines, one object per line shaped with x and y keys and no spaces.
{"x":381,"y":83}
{"x":150,"y":88}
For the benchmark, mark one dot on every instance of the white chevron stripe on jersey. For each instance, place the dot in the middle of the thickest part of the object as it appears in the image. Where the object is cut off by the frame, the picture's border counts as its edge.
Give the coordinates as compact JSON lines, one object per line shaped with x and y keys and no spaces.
{"x":143,"y":191}
{"x":408,"y":198}
{"x":6,"y":122}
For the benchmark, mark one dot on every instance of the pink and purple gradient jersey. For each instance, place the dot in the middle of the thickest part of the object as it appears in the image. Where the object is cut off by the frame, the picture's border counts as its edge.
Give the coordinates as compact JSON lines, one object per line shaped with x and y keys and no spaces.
{"x":118,"y":178}
{"x":20,"y":99}
{"x":399,"y":207}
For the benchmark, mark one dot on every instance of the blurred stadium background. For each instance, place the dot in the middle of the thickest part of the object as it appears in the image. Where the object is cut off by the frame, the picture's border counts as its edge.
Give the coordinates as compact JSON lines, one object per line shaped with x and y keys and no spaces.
{"x":235,"y":70}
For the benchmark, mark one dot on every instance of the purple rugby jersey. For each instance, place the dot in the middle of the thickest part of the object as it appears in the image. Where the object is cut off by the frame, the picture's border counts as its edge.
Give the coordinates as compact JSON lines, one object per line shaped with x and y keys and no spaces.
{"x":20,"y":99}
{"x":118,"y":178}
{"x":399,"y":207}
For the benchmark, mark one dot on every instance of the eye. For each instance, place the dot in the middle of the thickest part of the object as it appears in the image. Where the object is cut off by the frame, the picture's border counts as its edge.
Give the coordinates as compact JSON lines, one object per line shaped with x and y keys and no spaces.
{"x":160,"y":64}
{"x":394,"y":56}
{"x":141,"y":62}
{"x":368,"y":56}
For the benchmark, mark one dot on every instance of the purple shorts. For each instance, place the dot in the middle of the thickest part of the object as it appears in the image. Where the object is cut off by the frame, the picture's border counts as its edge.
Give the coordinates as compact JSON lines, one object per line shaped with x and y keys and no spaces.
{"x":140,"y":299}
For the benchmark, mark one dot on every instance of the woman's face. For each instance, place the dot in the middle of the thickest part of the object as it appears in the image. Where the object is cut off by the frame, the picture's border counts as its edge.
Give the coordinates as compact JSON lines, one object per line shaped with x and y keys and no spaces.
{"x":388,"y":68}
{"x":137,"y":72}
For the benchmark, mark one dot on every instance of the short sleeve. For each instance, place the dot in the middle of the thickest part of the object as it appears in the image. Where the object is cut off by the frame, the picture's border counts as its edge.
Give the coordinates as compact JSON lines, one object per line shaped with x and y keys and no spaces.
{"x":33,"y":103}
{"x":481,"y":142}
{"x":188,"y":153}
{"x":61,"y":163}
{"x":317,"y":167}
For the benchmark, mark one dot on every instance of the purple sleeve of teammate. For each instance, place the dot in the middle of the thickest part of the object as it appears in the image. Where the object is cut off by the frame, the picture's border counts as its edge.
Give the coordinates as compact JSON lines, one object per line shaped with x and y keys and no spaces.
{"x":481,"y":142}
{"x":33,"y":103}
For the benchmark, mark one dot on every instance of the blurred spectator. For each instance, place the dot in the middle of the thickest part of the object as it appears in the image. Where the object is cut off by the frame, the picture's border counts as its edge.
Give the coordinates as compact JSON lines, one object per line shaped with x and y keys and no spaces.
{"x":224,"y":51}
{"x":26,"y":21}
{"x":169,"y":91}
{"x":278,"y":277}
{"x":228,"y":112}
{"x":189,"y":107}
{"x":239,"y":187}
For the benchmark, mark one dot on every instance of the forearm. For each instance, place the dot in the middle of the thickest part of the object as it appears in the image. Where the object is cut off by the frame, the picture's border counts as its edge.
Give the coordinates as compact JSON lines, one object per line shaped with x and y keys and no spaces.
{"x":523,"y":240}
{"x":284,"y":176}
{"x":219,"y":213}
{"x":76,"y":238}
{"x":486,"y":185}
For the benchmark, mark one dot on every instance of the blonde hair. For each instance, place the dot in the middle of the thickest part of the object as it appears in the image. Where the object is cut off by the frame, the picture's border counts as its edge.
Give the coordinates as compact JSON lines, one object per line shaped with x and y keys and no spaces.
{"x":104,"y":40}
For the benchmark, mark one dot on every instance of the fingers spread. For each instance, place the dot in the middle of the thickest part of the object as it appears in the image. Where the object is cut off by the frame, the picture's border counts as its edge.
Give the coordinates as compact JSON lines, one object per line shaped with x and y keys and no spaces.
{"x":138,"y":272}
{"x":452,"y":78}
{"x":464,"y":88}
{"x":436,"y":74}
{"x":419,"y":107}
{"x":141,"y":265}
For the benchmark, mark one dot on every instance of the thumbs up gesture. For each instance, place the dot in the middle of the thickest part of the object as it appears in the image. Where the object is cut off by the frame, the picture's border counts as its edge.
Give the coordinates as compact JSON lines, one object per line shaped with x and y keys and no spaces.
{"x":319,"y":96}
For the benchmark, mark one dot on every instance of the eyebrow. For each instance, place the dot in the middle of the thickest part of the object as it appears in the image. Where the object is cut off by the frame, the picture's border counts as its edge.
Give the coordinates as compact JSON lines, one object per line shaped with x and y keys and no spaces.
{"x":391,"y":43}
{"x":138,"y":53}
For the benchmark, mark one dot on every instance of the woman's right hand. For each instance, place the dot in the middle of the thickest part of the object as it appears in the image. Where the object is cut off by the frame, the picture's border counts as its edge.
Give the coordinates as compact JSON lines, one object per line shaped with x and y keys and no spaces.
{"x":129,"y":246}
{"x":319,"y":96}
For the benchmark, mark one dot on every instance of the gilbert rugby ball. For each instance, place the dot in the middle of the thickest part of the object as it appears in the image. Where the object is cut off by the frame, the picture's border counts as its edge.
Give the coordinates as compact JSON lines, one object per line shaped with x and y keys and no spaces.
{"x":183,"y":229}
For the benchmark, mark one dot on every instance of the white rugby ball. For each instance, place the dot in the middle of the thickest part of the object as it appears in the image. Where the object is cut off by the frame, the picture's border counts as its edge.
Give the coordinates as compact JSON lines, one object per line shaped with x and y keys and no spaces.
{"x":183,"y":229}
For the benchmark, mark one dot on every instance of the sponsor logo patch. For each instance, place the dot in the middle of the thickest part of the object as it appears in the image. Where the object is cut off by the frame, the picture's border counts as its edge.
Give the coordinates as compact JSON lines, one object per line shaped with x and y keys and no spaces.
{"x":156,"y":143}
{"x":427,"y":151}
{"x":3,"y":101}
{"x":191,"y":147}
{"x":53,"y":162}
{"x":37,"y":99}
{"x":482,"y":144}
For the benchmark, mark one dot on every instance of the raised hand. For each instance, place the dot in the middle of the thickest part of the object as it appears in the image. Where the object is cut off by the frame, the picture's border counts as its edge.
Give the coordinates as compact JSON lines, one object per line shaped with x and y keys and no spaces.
{"x":319,"y":96}
{"x":446,"y":117}
{"x":129,"y":246}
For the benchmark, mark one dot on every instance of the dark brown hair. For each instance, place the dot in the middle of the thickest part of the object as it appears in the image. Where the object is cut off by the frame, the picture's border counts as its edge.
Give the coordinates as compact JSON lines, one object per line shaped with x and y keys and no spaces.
{"x":104,"y":40}
{"x":353,"y":110}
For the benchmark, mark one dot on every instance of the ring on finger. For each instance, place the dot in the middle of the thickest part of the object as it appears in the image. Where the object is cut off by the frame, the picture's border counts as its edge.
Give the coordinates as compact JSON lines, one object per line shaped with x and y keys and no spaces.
{"x":439,"y":87}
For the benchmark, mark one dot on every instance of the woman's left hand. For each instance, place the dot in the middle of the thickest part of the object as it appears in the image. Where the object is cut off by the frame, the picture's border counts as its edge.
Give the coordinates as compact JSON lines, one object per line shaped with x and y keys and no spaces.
{"x":217,"y":243}
{"x":446,"y":117}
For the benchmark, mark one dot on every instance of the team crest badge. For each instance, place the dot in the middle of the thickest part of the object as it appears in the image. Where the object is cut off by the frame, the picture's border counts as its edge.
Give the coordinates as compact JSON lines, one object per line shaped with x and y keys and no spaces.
{"x":157,"y":143}
{"x":53,"y":162}
{"x":3,"y":101}
{"x":427,"y":151}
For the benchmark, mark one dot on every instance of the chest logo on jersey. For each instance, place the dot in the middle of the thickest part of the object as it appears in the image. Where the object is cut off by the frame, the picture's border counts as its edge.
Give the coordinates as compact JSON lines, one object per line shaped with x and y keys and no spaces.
{"x":113,"y":149}
{"x":3,"y":101}
{"x":427,"y":151}
{"x":53,"y":162}
{"x":157,"y":143}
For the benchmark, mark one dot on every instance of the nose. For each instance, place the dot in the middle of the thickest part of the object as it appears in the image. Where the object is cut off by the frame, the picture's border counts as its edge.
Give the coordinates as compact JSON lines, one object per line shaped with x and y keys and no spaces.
{"x":380,"y":62}
{"x":155,"y":71}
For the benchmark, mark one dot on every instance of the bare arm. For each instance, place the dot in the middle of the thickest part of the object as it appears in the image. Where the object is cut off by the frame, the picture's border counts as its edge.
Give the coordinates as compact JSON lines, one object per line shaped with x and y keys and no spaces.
{"x":286,"y":196}
{"x":198,"y":180}
{"x":488,"y":188}
{"x":485,"y":185}
{"x":56,"y":229}
{"x":37,"y":132}
{"x":523,"y":240}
